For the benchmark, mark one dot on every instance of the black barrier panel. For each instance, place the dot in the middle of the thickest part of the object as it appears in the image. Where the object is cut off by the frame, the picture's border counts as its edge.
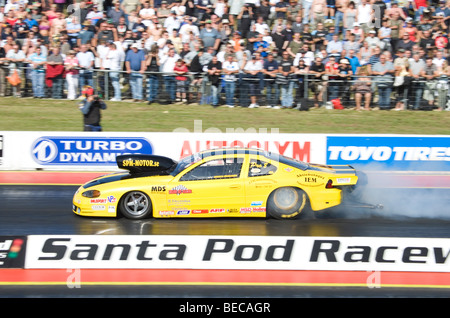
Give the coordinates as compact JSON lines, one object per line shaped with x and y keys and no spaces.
{"x":12,"y":251}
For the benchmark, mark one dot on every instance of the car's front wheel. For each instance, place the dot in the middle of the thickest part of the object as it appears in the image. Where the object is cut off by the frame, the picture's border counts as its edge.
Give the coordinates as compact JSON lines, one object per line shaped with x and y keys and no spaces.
{"x":286,"y":203}
{"x":136,"y":205}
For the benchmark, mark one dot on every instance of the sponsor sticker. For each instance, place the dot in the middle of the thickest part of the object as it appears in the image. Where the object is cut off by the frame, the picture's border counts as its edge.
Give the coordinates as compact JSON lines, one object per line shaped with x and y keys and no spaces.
{"x":57,"y":150}
{"x":343,"y":180}
{"x":95,"y":201}
{"x":200,"y":211}
{"x":181,"y":189}
{"x":166,"y":213}
{"x":217,"y":210}
{"x":259,"y":209}
{"x":12,"y":251}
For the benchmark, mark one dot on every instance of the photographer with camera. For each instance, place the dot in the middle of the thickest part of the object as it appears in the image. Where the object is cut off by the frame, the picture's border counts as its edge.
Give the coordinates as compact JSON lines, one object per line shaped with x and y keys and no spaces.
{"x":90,"y":107}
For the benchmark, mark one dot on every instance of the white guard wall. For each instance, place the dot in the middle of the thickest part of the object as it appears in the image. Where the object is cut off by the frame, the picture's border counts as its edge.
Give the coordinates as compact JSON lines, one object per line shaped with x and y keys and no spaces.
{"x":83,"y":151}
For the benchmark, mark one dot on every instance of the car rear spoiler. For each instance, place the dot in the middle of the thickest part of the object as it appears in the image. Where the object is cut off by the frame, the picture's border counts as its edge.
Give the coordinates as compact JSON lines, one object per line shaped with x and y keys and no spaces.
{"x":146,"y":164}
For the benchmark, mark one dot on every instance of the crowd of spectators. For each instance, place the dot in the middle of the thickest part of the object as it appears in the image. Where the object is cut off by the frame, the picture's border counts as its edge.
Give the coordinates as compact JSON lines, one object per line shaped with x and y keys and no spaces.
{"x":271,"y":52}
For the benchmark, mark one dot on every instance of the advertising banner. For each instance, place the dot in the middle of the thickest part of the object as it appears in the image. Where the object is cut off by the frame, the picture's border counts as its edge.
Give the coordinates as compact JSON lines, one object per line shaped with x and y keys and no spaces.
{"x":390,"y":152}
{"x":72,"y":151}
{"x":98,"y":151}
{"x":239,"y":252}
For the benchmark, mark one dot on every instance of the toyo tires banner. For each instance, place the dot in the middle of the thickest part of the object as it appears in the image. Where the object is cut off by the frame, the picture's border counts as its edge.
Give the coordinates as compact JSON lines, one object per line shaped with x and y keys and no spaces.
{"x":72,"y":151}
{"x":390,"y":152}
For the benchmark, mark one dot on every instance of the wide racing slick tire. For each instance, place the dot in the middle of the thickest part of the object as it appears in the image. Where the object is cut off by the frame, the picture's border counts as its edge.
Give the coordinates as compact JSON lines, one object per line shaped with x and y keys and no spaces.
{"x":135,"y":205}
{"x":287,"y":203}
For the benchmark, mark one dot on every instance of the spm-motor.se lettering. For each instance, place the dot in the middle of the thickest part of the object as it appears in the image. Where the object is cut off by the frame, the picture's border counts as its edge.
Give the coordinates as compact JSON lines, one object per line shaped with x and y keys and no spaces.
{"x":140,"y":163}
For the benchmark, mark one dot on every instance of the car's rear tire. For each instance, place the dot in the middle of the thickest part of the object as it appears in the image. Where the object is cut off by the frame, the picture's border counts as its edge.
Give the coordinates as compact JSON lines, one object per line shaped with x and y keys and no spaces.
{"x":136,"y":205}
{"x":287,"y":203}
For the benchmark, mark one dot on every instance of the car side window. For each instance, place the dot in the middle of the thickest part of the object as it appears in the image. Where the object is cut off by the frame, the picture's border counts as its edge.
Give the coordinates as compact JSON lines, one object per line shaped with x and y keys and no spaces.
{"x":224,"y":168}
{"x":260,"y":168}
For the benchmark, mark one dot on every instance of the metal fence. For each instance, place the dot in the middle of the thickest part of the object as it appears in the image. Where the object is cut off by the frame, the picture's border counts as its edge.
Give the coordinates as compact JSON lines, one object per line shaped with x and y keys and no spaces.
{"x":245,"y":91}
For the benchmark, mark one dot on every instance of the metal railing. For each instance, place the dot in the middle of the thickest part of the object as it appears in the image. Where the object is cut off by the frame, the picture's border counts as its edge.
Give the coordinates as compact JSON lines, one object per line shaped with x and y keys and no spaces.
{"x":198,"y":88}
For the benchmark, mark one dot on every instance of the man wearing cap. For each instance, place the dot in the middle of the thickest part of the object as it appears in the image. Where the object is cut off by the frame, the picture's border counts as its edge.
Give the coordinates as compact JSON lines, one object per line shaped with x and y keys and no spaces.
{"x":373,"y":40}
{"x":91,"y":108}
{"x":210,"y":36}
{"x":135,"y":66}
{"x":85,"y":35}
{"x":344,"y":72}
{"x":94,"y":15}
{"x":188,"y":27}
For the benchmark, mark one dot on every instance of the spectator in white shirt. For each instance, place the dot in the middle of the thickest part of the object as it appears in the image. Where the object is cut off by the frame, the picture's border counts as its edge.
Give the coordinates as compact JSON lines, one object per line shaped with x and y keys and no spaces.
{"x":168,"y":62}
{"x":230,"y":68}
{"x":187,"y":28}
{"x":113,"y":59}
{"x":86,"y":61}
{"x":253,"y":70}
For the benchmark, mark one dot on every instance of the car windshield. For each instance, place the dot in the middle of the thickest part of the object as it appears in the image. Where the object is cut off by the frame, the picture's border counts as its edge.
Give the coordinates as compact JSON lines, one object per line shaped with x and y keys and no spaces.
{"x":186,"y":162}
{"x":190,"y":160}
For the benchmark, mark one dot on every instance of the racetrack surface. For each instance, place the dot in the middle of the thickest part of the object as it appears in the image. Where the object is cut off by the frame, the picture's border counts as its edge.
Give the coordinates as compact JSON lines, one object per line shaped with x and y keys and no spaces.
{"x":408,"y":212}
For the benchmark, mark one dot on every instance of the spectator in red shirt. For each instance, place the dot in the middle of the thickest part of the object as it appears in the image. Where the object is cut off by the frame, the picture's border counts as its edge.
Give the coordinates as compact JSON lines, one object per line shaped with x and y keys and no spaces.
{"x":331,"y":69}
{"x":181,"y":70}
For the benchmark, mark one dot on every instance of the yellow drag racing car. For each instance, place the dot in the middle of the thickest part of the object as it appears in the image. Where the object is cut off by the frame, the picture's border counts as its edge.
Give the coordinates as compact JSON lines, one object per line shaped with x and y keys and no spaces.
{"x":228,"y":182}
